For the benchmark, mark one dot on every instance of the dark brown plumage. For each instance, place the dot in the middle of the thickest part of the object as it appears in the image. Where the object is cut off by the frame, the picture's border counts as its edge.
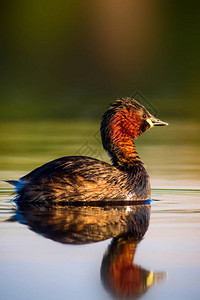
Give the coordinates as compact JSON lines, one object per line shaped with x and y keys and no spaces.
{"x":80,"y":178}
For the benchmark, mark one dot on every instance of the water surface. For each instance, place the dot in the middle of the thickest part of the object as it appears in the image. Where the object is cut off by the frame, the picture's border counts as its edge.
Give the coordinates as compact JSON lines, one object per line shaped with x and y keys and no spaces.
{"x":35,"y":264}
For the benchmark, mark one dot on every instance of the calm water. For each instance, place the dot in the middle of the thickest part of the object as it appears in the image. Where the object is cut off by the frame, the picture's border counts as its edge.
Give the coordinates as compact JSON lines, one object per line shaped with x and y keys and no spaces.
{"x":99,"y":252}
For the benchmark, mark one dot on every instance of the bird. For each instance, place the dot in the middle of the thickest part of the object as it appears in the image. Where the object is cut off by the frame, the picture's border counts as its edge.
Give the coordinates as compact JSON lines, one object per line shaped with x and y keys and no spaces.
{"x":72,"y":179}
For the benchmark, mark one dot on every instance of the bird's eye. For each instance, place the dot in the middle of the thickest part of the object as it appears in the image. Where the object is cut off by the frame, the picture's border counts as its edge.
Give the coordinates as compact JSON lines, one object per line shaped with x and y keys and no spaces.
{"x":144,"y":116}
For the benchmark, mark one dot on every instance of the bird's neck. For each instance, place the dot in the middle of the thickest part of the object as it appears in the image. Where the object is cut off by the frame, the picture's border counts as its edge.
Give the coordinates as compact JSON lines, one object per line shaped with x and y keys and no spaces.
{"x":126,"y":159}
{"x":122,"y":131}
{"x":124,"y":155}
{"x":118,"y":133}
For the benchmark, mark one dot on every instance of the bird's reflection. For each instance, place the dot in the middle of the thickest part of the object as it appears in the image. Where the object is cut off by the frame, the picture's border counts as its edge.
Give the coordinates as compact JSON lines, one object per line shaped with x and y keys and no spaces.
{"x":120,"y":275}
{"x":87,"y":224}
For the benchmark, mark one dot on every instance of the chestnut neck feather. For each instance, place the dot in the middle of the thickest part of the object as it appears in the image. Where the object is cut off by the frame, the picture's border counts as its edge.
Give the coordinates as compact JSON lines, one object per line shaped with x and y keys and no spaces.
{"x":124,"y":127}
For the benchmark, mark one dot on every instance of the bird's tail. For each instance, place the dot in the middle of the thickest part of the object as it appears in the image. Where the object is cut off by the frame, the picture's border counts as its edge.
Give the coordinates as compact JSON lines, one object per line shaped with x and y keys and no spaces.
{"x":18,"y":184}
{"x":13,"y":182}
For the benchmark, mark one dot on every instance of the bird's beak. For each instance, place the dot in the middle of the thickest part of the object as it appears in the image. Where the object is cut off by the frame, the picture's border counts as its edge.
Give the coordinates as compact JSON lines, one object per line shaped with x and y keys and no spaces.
{"x":155,"y":122}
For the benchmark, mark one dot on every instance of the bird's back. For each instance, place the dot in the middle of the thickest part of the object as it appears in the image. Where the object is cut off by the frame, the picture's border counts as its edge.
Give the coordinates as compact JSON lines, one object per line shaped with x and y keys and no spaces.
{"x":78,"y":178}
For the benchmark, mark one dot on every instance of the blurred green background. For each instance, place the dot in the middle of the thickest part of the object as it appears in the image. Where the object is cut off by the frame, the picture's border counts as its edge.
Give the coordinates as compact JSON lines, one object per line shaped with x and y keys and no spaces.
{"x":69,"y":59}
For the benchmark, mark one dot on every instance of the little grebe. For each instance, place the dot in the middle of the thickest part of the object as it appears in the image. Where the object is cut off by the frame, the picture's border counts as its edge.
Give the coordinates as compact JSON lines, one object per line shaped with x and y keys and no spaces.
{"x":81,"y":178}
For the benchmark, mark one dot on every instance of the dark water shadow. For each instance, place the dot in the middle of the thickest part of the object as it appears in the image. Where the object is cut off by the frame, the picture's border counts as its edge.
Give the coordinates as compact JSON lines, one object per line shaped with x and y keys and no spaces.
{"x":126,"y":225}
